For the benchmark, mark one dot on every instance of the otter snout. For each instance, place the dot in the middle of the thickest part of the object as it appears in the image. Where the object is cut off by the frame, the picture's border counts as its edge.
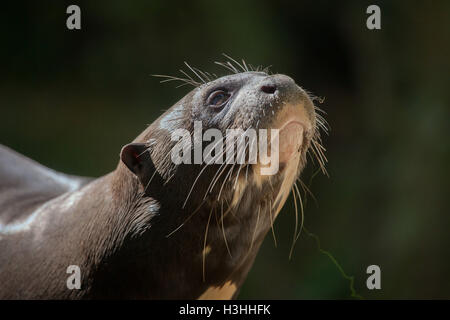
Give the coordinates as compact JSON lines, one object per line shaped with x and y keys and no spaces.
{"x":291,"y":112}
{"x":279,"y":90}
{"x":283,"y":101}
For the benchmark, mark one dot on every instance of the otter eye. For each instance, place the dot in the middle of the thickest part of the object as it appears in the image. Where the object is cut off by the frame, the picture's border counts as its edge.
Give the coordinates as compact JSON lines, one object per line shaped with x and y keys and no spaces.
{"x":218,"y":98}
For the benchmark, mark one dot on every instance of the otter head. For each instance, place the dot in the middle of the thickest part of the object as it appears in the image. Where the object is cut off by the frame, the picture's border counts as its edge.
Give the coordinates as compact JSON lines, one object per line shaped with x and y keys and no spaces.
{"x":232,"y":148}
{"x":270,"y":121}
{"x":252,"y":128}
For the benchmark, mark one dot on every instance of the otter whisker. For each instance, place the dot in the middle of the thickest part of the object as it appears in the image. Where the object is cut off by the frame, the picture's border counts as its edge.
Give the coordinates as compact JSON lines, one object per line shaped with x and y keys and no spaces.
{"x":313,"y":97}
{"x":302,"y":221}
{"x":203,"y":74}
{"x":229,"y":209}
{"x":307,"y":190}
{"x":311,"y":155}
{"x":181,"y":85}
{"x":231,"y":175}
{"x":198,"y":176}
{"x":216,"y":216}
{"x":169,"y":154}
{"x":215,"y":178}
{"x":246,"y":172}
{"x":319,"y":116}
{"x":237,"y":63}
{"x":254,"y":233}
{"x":271,"y":224}
{"x":240,"y":167}
{"x":296,"y":224}
{"x":226,"y":66}
{"x":223,"y":231}
{"x":237,"y":175}
{"x":320,"y":149}
{"x":224,"y":181}
{"x":318,"y":156}
{"x":211,"y":76}
{"x":187,"y":75}
{"x":220,"y":224}
{"x":301,"y":208}
{"x":187,"y":219}
{"x":245,"y":65}
{"x":163,"y":160}
{"x":233,"y":67}
{"x":249,"y":150}
{"x":267,"y":69}
{"x":194,"y":72}
{"x":172,"y":78}
{"x":219,"y":171}
{"x":321,"y":124}
{"x":260,"y":68}
{"x":149,"y":181}
{"x":193,"y":184}
{"x":321,"y":165}
{"x":204,"y":246}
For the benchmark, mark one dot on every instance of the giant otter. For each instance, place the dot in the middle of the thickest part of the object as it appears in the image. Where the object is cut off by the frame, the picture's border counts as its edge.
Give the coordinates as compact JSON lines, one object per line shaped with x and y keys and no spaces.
{"x":153,"y":228}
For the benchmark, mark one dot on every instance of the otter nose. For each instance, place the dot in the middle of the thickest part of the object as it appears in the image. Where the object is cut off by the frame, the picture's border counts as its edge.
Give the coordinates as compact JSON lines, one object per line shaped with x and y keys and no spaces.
{"x":269,"y":89}
{"x":277,"y":83}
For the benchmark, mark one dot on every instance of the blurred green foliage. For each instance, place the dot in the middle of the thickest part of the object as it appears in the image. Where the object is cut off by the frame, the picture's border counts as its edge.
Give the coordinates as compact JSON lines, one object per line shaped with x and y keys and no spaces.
{"x":71,"y":99}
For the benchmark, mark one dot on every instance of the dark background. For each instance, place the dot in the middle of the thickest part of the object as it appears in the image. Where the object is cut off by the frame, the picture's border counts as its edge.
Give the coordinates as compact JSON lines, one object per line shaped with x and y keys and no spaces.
{"x":71,"y":99}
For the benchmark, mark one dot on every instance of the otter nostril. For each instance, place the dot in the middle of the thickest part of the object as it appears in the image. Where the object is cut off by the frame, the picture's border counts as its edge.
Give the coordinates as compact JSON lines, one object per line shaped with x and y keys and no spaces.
{"x":269,"y":89}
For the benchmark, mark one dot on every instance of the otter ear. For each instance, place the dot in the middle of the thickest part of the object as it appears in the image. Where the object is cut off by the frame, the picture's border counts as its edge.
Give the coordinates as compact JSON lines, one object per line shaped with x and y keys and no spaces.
{"x":136,"y":156}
